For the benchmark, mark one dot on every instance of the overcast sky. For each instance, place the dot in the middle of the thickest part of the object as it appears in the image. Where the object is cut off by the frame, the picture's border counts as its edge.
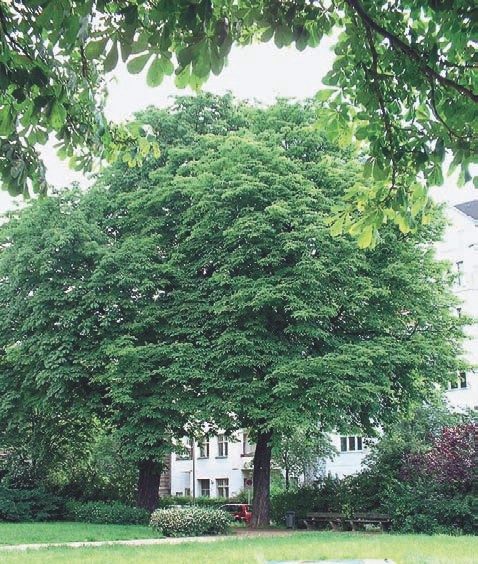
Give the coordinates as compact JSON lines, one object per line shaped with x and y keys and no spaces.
{"x":258,"y":72}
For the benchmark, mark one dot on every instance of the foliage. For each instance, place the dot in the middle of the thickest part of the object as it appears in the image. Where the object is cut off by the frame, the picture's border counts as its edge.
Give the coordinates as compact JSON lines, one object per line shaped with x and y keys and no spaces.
{"x":301,"y":500}
{"x":175,"y":500}
{"x":450,"y":459}
{"x":347,"y":495}
{"x":420,"y":471}
{"x":403,"y":83}
{"x":433,"y":491}
{"x":29,"y":505}
{"x":100,"y":473}
{"x":300,"y":453}
{"x":190,"y":521}
{"x":61,"y":328}
{"x":424,"y":506}
{"x":108,"y":513}
{"x":214,"y":270}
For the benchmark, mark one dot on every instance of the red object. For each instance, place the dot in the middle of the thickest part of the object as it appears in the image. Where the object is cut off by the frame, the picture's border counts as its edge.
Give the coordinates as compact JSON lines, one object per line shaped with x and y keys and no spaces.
{"x":240,"y":511}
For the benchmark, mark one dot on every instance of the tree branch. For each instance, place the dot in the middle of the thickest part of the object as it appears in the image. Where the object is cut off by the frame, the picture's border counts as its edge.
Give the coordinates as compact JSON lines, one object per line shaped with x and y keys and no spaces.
{"x":451,"y":131}
{"x":406,"y":49}
{"x":381,"y":101}
{"x":11,"y":39}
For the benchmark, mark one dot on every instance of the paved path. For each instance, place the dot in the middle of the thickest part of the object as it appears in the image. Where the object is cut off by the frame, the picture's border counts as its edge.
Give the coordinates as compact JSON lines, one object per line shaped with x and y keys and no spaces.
{"x":240,"y":534}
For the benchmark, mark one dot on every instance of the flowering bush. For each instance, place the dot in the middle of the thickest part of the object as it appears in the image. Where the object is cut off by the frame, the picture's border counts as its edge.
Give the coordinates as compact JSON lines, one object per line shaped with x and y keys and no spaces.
{"x":190,"y":521}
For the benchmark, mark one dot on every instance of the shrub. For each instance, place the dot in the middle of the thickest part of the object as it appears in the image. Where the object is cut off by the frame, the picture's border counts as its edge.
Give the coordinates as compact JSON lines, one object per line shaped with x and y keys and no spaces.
{"x":427,"y":507}
{"x":29,"y":505}
{"x":214,"y":502}
{"x":328,"y":494}
{"x":190,"y":521}
{"x":106,"y":513}
{"x":301,"y":501}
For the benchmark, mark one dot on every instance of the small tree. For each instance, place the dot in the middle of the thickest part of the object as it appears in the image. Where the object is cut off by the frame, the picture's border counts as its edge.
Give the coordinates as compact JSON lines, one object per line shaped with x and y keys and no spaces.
{"x":301,"y":453}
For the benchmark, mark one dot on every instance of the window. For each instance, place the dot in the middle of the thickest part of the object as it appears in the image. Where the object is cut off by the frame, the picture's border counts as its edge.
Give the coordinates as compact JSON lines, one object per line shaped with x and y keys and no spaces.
{"x":186,"y":454}
{"x":204,"y":448}
{"x":222,"y":487}
{"x":349,"y":444}
{"x":222,"y":446}
{"x":459,"y":272}
{"x":204,"y":488}
{"x":187,"y":491}
{"x":460,"y":382}
{"x":247,"y":447}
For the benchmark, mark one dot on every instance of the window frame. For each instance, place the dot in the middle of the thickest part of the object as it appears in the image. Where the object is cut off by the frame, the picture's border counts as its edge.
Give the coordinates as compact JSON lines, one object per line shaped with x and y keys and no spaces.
{"x":351,"y":443}
{"x":222,"y":446}
{"x":205,"y":492}
{"x":203,"y":448}
{"x":222,"y":487}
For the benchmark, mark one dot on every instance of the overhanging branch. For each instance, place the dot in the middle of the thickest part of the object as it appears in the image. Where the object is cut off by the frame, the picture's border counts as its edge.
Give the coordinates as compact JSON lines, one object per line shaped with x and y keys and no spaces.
{"x":411,"y":53}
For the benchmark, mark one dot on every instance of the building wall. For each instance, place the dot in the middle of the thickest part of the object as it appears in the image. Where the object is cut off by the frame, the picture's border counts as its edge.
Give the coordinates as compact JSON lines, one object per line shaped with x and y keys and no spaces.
{"x":348,"y":460}
{"x":460,"y":248}
{"x":192,"y":473}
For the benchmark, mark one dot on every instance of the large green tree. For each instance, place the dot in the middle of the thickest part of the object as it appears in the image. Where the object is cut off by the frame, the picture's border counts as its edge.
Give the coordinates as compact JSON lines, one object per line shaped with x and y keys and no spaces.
{"x":221,"y":296}
{"x":49,"y":349}
{"x":404,"y":76}
{"x":275,"y":323}
{"x":79,"y":338}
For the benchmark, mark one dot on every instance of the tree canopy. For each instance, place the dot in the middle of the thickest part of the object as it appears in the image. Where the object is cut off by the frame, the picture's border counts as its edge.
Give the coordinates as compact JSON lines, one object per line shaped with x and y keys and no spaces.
{"x":403,"y":84}
{"x":211,"y":291}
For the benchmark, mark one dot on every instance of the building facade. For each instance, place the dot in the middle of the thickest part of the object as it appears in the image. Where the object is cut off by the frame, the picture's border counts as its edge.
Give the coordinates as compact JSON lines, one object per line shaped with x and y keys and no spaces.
{"x":217,"y":466}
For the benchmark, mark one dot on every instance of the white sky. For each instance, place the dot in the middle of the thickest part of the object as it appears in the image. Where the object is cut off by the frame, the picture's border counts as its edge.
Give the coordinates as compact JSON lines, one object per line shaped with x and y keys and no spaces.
{"x":258,"y":72}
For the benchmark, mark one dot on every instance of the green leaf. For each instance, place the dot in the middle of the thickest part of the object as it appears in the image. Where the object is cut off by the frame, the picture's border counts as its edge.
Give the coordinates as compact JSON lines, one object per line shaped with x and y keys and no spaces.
{"x":57,"y":115}
{"x":366,"y":237}
{"x":136,"y":65}
{"x":111,"y":59}
{"x":155,"y":74}
{"x":182,"y":77}
{"x":126,"y":49}
{"x":95,"y":49}
{"x":324,"y":94}
{"x":337,"y":227}
{"x":167,"y":65}
{"x":380,"y":173}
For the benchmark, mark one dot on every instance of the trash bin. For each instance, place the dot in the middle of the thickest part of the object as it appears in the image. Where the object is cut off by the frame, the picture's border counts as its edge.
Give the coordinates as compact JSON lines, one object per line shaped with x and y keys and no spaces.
{"x":290,"y":519}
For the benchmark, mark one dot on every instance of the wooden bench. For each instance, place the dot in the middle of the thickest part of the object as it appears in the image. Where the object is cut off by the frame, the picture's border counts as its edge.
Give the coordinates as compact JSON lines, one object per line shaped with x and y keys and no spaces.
{"x":381,"y":519}
{"x":338,"y":520}
{"x":313,"y":519}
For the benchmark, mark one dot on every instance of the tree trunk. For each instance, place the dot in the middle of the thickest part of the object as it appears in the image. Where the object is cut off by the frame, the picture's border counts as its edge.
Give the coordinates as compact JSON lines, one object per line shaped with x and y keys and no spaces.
{"x":147,"y":495}
{"x":261,"y":481}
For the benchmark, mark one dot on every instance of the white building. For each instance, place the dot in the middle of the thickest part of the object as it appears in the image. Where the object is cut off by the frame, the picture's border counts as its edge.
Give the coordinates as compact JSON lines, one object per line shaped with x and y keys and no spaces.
{"x":460,"y":248}
{"x":218,"y":466}
{"x":221,"y":467}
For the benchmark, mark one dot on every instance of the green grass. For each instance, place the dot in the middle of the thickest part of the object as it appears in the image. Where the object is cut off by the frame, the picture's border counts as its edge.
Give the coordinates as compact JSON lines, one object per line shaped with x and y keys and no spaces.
{"x":27,"y":533}
{"x":403,"y":549}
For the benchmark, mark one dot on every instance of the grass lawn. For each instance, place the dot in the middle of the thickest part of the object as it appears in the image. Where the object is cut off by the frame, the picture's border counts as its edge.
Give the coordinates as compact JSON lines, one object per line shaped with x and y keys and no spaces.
{"x":29,"y":533}
{"x":403,"y":549}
